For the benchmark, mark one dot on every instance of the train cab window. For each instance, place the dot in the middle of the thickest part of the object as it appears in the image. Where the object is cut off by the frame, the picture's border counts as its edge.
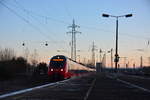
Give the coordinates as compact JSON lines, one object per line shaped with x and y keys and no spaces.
{"x":57,"y":62}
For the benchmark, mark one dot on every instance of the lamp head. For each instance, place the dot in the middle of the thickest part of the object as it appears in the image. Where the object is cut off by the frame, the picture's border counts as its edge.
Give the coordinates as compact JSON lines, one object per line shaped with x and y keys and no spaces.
{"x":105,"y":15}
{"x":128,"y":15}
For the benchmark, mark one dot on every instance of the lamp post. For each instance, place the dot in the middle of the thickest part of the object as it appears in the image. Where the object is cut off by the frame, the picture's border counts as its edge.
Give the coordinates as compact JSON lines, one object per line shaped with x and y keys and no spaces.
{"x":116,"y":60}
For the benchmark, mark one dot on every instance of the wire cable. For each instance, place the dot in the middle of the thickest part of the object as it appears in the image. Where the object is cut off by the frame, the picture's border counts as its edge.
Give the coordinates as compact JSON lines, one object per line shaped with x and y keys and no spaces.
{"x":24,"y":19}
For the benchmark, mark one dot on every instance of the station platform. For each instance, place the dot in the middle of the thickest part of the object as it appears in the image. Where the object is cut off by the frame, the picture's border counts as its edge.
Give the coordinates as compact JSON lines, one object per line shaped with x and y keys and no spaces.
{"x":107,"y":87}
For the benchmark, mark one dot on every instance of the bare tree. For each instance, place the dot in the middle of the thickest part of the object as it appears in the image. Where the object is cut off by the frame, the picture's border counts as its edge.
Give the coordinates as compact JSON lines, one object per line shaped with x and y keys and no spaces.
{"x":34,"y":57}
{"x":7,"y":54}
{"x":33,"y":61}
{"x":26,"y":53}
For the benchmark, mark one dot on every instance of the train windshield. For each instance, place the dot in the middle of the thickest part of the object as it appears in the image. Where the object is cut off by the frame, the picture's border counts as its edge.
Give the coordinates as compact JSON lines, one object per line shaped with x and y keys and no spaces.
{"x":57,"y":62}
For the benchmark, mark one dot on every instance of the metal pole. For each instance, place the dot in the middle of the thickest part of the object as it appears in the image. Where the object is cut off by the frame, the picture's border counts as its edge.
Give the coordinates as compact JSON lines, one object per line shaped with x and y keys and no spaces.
{"x":111,"y":58}
{"x":72,"y":46}
{"x":149,"y":61}
{"x":93,"y":54}
{"x":75,"y":46}
{"x":125,"y":61}
{"x":141,"y":64}
{"x":100,"y":56}
{"x":73,"y":41}
{"x":116,"y":55}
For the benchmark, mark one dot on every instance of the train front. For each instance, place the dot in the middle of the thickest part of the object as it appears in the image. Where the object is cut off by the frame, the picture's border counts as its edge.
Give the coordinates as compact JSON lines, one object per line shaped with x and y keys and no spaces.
{"x":58,"y":67}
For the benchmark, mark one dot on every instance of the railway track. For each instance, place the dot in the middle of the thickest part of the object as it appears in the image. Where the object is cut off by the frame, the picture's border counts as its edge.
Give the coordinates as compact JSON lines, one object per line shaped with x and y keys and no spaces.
{"x":89,"y":87}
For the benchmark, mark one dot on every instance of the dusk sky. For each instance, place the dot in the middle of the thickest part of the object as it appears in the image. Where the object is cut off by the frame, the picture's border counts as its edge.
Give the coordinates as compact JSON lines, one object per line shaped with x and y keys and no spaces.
{"x":36,"y":21}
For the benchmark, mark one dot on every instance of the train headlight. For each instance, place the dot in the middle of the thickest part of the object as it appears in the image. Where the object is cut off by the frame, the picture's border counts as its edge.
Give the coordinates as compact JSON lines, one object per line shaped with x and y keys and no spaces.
{"x":52,"y":70}
{"x":61,"y":70}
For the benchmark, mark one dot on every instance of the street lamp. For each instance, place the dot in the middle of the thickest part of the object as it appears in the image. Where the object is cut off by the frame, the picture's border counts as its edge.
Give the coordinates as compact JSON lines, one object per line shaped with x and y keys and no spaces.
{"x":116,"y":60}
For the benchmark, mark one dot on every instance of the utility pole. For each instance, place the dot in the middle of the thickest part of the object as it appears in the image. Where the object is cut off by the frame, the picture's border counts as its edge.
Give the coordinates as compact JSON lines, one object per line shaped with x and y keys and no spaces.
{"x":134,"y":65}
{"x":149,"y":61}
{"x":127,"y":65}
{"x":141,"y":61}
{"x":73,"y":42}
{"x":111,"y":57}
{"x":93,"y":53}
{"x":100,"y":56}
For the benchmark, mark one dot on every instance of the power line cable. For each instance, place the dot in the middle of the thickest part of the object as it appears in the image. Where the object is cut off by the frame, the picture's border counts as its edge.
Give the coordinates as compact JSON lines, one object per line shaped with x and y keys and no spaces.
{"x":43,"y":16}
{"x":87,"y":27}
{"x":24,"y":19}
{"x":27,"y":12}
{"x":67,"y":10}
{"x":104,"y":30}
{"x":34,"y":17}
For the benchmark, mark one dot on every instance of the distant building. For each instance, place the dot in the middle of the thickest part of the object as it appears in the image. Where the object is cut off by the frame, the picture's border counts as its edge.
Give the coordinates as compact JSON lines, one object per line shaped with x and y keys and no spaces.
{"x":98,"y":67}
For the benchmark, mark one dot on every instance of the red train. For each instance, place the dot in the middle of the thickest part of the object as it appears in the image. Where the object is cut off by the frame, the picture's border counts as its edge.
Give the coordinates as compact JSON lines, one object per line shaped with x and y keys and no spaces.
{"x":62,"y":67}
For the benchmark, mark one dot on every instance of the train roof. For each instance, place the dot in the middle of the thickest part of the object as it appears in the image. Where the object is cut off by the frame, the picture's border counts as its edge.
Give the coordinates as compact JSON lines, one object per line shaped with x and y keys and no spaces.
{"x":69,"y":59}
